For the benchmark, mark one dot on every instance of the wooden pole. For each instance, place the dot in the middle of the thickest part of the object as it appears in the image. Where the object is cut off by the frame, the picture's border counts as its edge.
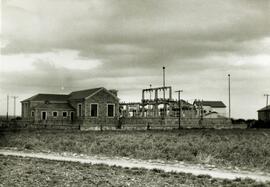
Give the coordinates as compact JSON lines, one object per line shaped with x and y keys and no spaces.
{"x":229,"y":79}
{"x":180,"y":108}
{"x":7,"y":105}
{"x":14,"y":112}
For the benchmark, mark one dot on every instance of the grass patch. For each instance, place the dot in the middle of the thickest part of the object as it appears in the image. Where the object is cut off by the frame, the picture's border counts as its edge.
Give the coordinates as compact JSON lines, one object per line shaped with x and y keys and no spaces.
{"x":18,"y":171}
{"x":246,"y":149}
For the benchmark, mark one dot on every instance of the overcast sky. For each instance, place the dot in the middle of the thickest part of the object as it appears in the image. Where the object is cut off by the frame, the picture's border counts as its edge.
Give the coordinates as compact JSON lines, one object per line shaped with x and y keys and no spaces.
{"x":57,"y":46}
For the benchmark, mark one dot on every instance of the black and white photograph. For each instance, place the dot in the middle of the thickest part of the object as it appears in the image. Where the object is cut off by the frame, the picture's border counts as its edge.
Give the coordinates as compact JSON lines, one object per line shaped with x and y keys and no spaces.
{"x":148,"y":93}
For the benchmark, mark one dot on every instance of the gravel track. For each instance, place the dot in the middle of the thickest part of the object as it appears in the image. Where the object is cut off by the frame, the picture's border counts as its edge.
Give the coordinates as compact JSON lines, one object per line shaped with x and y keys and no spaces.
{"x":135,"y":163}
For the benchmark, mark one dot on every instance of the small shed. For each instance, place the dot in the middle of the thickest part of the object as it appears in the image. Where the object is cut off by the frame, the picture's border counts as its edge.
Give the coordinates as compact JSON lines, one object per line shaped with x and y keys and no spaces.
{"x":264,"y":114}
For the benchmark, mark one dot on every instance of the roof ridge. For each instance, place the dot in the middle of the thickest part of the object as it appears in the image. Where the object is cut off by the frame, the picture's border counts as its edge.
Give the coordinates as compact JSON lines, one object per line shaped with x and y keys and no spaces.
{"x":81,"y":94}
{"x":86,"y":90}
{"x":49,"y":94}
{"x":265,"y":108}
{"x":42,"y":96}
{"x":212,"y":101}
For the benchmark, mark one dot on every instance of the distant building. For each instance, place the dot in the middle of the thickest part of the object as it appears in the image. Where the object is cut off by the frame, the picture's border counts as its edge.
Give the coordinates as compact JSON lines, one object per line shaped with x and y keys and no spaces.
{"x":212,"y":115}
{"x":264,"y":114}
{"x":92,"y":106}
{"x":211,"y":109}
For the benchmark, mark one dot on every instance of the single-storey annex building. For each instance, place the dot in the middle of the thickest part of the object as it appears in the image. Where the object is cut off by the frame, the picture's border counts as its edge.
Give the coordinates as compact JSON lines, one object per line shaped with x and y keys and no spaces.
{"x":90,"y":108}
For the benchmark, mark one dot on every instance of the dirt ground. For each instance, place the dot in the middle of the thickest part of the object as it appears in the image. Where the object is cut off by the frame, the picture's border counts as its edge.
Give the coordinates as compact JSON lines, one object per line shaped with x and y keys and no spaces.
{"x":23,"y":171}
{"x":177,"y":167}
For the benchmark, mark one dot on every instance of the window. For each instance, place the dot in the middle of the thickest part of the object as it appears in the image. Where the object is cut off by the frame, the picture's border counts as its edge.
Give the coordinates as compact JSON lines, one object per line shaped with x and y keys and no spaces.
{"x":93,"y":110}
{"x":133,"y":112}
{"x":79,"y":110}
{"x":55,"y":114}
{"x":32,"y":113}
{"x":64,"y":114}
{"x":110,"y":111}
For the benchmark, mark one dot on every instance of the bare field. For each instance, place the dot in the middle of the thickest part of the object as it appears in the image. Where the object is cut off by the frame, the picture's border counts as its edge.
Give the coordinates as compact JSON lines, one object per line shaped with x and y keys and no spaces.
{"x":18,"y":171}
{"x":245,"y":149}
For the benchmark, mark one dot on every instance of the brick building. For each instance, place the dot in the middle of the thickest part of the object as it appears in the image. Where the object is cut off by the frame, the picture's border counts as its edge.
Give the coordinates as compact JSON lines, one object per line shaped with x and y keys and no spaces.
{"x":92,"y":107}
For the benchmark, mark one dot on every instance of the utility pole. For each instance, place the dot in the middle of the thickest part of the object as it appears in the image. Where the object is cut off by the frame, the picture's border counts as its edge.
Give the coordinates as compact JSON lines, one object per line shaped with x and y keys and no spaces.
{"x":180,"y":107}
{"x":7,"y":105}
{"x":202,"y":110}
{"x":266,"y":95}
{"x":164,"y":107}
{"x":163,"y":77}
{"x":229,"y":79}
{"x":150,"y":92}
{"x":149,"y":107}
{"x":14,"y":98}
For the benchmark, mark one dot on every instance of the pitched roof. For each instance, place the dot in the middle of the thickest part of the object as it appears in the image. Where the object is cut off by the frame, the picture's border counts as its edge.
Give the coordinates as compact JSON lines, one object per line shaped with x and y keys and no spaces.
{"x":185,"y":103}
{"x":48,"y":97}
{"x":55,"y":106}
{"x":73,"y":95}
{"x":214,"y":104}
{"x":267,"y":108}
{"x":83,"y":93}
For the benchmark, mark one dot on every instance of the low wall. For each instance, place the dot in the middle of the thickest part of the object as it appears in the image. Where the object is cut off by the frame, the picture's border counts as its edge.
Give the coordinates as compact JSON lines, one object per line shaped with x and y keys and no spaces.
{"x":132,"y":123}
{"x":99,"y":123}
{"x":140,"y":123}
{"x":31,"y":124}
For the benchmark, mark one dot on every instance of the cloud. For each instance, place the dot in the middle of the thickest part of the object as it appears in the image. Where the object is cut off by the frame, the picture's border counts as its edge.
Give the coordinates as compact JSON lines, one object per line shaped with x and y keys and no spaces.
{"x":89,"y":26}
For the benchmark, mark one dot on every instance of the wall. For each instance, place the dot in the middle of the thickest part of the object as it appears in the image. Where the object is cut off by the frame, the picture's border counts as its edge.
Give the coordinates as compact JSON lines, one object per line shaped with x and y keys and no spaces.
{"x":50,"y":114}
{"x":173,"y":123}
{"x":48,"y":124}
{"x":102,"y":98}
{"x":207,"y":109}
{"x":74,"y":104}
{"x":27,"y":107}
{"x":264,"y":115}
{"x":90,"y":123}
{"x":133,"y":123}
{"x":220,"y":111}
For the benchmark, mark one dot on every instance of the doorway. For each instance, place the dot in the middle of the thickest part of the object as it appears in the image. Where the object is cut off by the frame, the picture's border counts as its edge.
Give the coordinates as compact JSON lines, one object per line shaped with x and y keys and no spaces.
{"x":72,"y":116}
{"x":43,"y":115}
